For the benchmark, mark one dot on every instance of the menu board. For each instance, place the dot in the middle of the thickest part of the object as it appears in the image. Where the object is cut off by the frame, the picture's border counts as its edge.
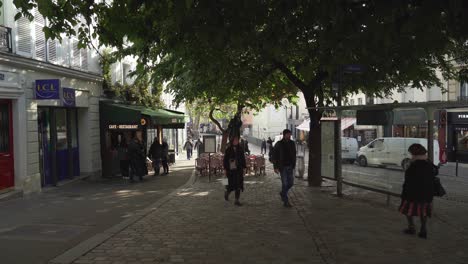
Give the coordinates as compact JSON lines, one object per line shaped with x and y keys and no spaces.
{"x":209,"y":143}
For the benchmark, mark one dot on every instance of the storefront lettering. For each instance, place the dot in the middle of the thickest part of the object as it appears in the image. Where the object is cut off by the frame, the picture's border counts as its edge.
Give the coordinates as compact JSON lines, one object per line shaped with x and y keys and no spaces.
{"x":123,"y":126}
{"x":47,"y":89}
{"x":68,"y":97}
{"x":463,"y":116}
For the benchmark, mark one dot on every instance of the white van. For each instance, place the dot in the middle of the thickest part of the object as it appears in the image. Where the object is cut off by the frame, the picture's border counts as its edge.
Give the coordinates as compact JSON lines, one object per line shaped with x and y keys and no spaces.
{"x":392,"y":151}
{"x":349,"y":149}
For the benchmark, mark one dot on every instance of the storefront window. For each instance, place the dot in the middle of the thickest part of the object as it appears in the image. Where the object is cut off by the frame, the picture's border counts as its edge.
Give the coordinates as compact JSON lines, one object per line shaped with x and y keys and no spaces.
{"x":462,"y":140}
{"x":73,"y":127}
{"x":61,"y":119}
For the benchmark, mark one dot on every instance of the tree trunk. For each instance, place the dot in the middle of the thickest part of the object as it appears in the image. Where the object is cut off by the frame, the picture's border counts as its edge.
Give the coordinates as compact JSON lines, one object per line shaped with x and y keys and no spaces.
{"x":315,"y":149}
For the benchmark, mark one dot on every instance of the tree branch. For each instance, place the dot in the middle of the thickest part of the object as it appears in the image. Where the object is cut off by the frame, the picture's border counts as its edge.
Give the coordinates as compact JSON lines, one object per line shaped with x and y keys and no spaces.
{"x":216,"y":121}
{"x":291,"y":76}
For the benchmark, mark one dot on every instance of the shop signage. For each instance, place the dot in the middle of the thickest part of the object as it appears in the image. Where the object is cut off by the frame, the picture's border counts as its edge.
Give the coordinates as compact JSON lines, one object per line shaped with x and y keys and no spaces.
{"x":373,"y":117}
{"x":69,"y":97}
{"x":47,"y":89}
{"x":415,"y":116}
{"x":143,"y":122}
{"x":123,"y":127}
{"x":458,"y":117}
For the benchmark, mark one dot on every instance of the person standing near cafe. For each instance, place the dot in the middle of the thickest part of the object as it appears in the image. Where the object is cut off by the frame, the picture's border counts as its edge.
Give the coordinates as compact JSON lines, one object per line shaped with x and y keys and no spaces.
{"x":137,"y":157}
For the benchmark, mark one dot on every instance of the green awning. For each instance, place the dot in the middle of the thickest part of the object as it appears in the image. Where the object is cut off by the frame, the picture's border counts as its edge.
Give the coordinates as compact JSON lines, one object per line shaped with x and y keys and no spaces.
{"x":119,"y":114}
{"x":131,"y":114}
{"x":165,"y":118}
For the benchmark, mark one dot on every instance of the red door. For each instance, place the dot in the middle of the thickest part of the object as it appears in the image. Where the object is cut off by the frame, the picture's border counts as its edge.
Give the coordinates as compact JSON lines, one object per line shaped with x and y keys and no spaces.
{"x":6,"y":145}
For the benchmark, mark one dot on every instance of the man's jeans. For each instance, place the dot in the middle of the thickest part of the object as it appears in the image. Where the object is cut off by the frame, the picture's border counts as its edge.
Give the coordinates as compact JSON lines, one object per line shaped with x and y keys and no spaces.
{"x":156,"y":166}
{"x":287,"y":180}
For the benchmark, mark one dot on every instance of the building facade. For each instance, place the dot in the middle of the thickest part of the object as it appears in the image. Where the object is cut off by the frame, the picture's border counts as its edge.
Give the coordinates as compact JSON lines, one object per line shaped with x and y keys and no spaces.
{"x":49,"y":106}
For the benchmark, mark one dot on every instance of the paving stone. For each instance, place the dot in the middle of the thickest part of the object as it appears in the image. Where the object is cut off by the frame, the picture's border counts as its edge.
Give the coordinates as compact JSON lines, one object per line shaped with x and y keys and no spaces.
{"x":196,"y":225}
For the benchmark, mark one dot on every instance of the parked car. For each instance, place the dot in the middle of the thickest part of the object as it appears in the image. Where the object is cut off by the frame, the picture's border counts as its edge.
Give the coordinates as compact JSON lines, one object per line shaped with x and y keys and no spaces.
{"x":392,"y":151}
{"x":349,"y":149}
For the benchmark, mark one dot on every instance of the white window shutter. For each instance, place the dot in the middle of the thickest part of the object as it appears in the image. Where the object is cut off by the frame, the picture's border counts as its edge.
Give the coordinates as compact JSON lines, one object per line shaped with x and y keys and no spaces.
{"x":65,"y":52}
{"x":23,"y":37}
{"x":52,"y":51}
{"x":40,"y":41}
{"x":84,"y":59}
{"x":75,"y":52}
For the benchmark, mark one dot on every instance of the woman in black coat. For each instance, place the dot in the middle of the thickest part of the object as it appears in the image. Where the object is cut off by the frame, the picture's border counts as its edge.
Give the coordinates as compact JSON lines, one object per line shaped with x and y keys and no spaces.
{"x":234,"y":165}
{"x":418,"y":189}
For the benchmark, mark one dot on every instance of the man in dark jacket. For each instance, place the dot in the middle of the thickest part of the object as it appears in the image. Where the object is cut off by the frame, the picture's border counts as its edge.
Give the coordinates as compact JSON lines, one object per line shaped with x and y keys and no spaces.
{"x":155,"y":154}
{"x":137,"y":157}
{"x":284,"y":162}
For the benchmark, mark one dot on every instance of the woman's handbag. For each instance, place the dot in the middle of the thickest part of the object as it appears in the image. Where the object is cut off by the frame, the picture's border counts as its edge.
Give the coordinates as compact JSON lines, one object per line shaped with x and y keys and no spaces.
{"x":438,"y":188}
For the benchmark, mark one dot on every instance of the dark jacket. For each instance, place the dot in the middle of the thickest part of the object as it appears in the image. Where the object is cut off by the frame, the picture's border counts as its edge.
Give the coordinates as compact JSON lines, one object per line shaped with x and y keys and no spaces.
{"x":155,"y":151}
{"x":419,"y":182}
{"x":264,"y":144}
{"x":137,"y":157}
{"x":164,"y":150}
{"x":284,"y":153}
{"x":238,"y":155}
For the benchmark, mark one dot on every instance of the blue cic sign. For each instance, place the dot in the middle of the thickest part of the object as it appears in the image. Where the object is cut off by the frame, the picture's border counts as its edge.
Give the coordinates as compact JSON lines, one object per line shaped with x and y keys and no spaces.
{"x":47,"y":89}
{"x":69,"y":97}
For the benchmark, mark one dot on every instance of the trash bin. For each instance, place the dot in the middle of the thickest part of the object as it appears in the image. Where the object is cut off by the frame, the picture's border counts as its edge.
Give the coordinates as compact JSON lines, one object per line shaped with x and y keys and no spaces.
{"x":300,"y":167}
{"x":171,"y":156}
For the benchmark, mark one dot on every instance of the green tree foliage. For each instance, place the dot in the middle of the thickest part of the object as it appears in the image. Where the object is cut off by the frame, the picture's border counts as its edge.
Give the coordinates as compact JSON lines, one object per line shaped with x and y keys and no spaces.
{"x":255,"y":52}
{"x":137,"y":92}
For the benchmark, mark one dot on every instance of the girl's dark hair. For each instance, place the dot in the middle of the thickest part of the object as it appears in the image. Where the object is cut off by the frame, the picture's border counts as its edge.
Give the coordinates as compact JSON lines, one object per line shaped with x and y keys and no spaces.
{"x":417,"y":149}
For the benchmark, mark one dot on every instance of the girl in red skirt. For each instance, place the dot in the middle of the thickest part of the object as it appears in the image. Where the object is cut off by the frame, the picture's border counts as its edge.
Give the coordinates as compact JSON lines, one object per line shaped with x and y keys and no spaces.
{"x":418,"y":190}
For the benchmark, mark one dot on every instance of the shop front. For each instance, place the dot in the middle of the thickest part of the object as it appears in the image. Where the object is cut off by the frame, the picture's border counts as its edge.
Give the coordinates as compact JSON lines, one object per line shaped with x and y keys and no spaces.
{"x":119,"y":124}
{"x":59,"y":156}
{"x":457,"y":135}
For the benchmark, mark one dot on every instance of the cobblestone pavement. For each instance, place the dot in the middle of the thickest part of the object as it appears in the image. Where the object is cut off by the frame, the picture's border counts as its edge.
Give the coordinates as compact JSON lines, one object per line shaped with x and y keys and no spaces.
{"x":197,"y":226}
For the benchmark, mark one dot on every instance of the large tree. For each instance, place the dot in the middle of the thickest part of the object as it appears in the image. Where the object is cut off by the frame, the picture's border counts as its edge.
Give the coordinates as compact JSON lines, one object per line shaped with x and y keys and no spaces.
{"x":246,"y":46}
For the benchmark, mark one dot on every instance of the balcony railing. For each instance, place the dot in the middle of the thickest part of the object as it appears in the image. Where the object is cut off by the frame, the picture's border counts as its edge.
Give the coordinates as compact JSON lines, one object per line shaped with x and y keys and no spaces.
{"x":463,"y":98}
{"x":5,"y":39}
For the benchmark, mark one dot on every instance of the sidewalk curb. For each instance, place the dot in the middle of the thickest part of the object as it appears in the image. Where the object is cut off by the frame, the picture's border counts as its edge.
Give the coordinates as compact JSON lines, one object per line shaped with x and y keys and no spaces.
{"x":82,"y":248}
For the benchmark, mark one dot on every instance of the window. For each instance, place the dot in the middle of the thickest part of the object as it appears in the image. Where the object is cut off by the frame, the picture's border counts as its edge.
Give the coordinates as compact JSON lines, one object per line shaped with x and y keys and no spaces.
{"x":377,"y":144}
{"x":297,"y":112}
{"x":351,"y":102}
{"x":359,"y":101}
{"x":4,"y":128}
{"x":464,"y":90}
{"x":462,"y":140}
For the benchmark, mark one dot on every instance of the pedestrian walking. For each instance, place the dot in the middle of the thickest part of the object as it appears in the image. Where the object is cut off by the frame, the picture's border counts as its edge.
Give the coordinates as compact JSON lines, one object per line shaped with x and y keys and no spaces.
{"x":418,"y":190}
{"x":263,"y":147}
{"x":165,"y":156}
{"x":284,"y":162}
{"x":234,"y":165}
{"x":188,"y":146}
{"x":270,"y":148}
{"x":155,"y":154}
{"x":199,"y":147}
{"x":137,"y":157}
